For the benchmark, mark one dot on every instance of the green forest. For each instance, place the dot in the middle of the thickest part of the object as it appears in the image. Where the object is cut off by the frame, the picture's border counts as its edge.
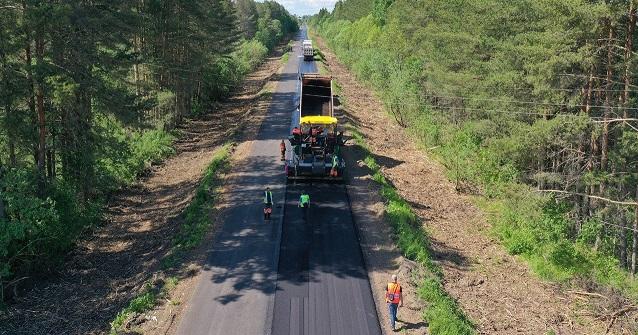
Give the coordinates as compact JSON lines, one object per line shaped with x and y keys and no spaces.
{"x":91,"y":93}
{"x":530,"y":105}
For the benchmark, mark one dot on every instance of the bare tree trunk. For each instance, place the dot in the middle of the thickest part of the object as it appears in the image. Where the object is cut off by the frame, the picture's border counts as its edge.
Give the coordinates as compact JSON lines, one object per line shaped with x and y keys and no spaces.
{"x":42,"y":128}
{"x":623,"y":231}
{"x":3,"y":214}
{"x":634,"y":246}
{"x":11,"y":143}
{"x":136,"y":66}
{"x":54,"y":171}
{"x":628,"y":52}
{"x":588,"y":89}
{"x":50,"y":164}
{"x":12,"y":154}
{"x":604,"y":147}
{"x":605,"y":136}
{"x":29,"y":64}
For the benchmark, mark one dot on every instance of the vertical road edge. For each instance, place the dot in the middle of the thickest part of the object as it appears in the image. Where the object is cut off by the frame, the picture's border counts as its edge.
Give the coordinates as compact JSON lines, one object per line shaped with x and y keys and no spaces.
{"x":357,"y":232}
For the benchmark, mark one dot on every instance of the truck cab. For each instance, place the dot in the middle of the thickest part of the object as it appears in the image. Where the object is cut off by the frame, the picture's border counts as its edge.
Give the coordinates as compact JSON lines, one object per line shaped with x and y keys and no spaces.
{"x":308,"y":50}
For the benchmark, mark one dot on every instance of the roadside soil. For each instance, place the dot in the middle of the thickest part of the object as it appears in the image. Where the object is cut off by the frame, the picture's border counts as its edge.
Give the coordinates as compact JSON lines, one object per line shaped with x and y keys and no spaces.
{"x":381,"y":256}
{"x":496,"y":290}
{"x":112,"y":265}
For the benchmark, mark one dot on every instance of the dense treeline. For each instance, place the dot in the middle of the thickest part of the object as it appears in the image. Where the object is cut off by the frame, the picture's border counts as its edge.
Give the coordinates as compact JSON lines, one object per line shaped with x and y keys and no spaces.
{"x":530,"y":103}
{"x":90,"y":93}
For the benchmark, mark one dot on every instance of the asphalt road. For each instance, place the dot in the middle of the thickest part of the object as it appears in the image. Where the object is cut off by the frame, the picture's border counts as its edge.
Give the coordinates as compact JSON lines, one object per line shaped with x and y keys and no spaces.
{"x":322,"y":286}
{"x":288,"y":276}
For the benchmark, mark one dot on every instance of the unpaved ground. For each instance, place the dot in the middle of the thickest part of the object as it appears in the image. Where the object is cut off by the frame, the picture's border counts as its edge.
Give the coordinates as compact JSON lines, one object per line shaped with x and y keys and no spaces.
{"x":110,"y":267}
{"x":381,"y":256}
{"x":496,"y":290}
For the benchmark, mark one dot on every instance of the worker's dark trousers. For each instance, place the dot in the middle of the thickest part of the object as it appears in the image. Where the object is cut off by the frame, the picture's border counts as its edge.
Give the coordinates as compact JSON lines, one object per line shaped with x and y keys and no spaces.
{"x":304,"y":211}
{"x":267,"y":213}
{"x":392,"y":308}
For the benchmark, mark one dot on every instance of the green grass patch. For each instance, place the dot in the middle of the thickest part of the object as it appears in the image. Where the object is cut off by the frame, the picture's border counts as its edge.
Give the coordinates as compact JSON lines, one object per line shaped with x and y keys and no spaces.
{"x":288,"y":49}
{"x":196,"y":224}
{"x":336,"y":88}
{"x":442,"y":313}
{"x":144,"y":302}
{"x":197,"y":215}
{"x":319,"y":56}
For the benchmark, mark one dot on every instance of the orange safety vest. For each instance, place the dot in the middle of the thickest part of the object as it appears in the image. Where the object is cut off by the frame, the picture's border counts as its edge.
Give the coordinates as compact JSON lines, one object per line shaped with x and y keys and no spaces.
{"x":393,"y":295}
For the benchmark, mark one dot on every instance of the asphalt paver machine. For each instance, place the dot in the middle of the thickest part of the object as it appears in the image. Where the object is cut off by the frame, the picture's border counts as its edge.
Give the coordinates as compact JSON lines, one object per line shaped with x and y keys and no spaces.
{"x":316,"y":140}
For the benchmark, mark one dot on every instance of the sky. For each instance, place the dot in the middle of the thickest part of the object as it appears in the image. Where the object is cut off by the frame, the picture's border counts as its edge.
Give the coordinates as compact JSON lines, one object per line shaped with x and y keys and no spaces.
{"x":307,"y":7}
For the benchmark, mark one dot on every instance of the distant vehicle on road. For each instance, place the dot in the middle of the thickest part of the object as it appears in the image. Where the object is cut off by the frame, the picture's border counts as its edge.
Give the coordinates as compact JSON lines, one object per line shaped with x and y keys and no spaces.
{"x":308,"y":50}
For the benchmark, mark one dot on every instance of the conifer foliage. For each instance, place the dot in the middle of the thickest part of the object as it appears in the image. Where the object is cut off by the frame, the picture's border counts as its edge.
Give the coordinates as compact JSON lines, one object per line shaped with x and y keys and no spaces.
{"x":531,"y":104}
{"x":89,"y":95}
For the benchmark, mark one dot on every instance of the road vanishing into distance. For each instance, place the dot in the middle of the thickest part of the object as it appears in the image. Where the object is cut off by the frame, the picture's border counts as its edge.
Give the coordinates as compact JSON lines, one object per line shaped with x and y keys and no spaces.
{"x":286,"y":276}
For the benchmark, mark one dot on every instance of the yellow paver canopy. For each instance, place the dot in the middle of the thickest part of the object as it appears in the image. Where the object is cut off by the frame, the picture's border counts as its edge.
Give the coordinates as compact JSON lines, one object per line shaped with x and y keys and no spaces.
{"x":319,"y":120}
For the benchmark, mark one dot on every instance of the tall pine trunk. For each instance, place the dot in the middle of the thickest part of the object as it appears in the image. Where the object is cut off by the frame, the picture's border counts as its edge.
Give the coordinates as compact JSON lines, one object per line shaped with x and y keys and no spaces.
{"x":11,"y":146}
{"x":634,"y":246}
{"x":42,"y":130}
{"x":588,"y":89}
{"x":3,"y":214}
{"x":622,"y":257}
{"x":604,"y":148}
{"x":631,"y":24}
{"x":624,"y":102}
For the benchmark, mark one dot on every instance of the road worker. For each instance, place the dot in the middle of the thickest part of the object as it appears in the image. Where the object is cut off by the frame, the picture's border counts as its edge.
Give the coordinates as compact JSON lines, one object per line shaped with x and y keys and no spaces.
{"x":340,"y":143}
{"x":267,"y":203}
{"x":296,"y":132}
{"x":282,"y":148}
{"x":394,"y":299}
{"x":304,"y":204}
{"x":331,"y":141}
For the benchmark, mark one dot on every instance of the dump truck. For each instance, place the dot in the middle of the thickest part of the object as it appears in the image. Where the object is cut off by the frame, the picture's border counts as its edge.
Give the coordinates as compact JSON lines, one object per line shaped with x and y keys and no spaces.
{"x":308,"y":51}
{"x":315,"y":140}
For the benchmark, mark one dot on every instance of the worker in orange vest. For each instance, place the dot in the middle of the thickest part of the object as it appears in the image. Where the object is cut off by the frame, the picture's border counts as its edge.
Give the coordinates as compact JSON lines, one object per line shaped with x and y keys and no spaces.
{"x":393,"y":297}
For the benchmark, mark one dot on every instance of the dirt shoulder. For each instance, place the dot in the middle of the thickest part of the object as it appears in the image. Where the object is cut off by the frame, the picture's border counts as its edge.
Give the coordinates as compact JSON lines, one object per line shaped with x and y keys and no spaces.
{"x":381,"y":256}
{"x":496,"y":290}
{"x":112,"y":265}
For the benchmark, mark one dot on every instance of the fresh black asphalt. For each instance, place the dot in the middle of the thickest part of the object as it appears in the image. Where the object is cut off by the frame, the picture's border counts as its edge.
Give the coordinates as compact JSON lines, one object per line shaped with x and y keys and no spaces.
{"x":322,"y":285}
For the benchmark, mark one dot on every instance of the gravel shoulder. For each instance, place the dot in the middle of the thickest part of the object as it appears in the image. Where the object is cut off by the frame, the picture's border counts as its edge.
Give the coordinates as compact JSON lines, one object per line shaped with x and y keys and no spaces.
{"x":496,"y":290}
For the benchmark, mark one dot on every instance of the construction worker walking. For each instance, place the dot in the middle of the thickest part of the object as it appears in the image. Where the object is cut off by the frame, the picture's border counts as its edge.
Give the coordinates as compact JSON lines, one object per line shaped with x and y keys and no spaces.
{"x":304,"y":204}
{"x":394,"y":299}
{"x":267,"y":203}
{"x":282,"y":148}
